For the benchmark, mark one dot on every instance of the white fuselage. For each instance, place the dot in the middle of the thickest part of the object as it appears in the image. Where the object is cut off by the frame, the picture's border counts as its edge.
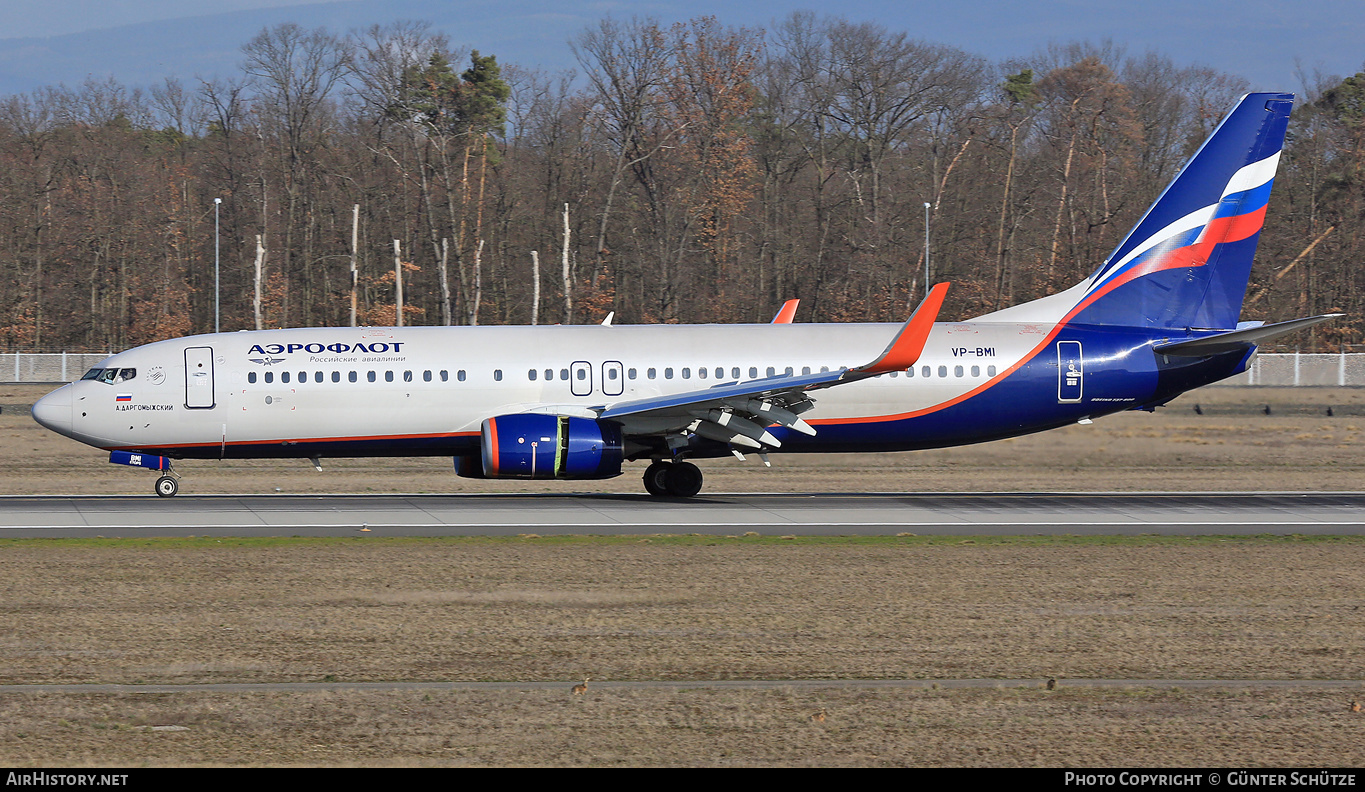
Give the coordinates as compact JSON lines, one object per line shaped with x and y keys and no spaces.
{"x":271,"y":389}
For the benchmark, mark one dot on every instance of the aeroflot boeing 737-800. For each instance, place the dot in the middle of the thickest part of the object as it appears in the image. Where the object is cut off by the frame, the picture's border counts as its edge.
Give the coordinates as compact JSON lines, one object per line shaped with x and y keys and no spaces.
{"x":1159,"y":317}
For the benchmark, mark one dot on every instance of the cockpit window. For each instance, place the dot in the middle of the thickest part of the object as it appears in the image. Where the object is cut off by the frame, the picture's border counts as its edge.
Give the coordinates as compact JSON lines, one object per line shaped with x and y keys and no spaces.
{"x":110,"y":375}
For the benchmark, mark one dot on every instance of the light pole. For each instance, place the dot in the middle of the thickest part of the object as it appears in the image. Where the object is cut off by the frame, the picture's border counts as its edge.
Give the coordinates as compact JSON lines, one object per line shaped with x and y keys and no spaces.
{"x":926,"y":248}
{"x":216,"y":203}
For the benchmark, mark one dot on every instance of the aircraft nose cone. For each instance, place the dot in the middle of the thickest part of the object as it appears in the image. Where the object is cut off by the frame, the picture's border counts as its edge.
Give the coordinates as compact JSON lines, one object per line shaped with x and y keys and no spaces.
{"x":53,"y":411}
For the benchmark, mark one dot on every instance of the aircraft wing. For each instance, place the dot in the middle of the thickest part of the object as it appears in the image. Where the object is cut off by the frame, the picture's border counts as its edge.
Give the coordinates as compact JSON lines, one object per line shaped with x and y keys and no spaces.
{"x":739,"y":412}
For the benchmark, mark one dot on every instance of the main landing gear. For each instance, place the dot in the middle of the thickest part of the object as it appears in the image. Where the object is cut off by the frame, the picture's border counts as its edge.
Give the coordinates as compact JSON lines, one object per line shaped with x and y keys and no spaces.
{"x":676,"y":479}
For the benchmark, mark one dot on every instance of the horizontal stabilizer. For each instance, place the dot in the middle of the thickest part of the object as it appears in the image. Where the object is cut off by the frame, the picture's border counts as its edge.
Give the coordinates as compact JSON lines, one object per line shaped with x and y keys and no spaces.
{"x":1238,"y":339}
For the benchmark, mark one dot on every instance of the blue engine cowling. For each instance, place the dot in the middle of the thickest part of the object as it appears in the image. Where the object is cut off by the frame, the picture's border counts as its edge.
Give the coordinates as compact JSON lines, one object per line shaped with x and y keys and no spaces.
{"x":550,"y":446}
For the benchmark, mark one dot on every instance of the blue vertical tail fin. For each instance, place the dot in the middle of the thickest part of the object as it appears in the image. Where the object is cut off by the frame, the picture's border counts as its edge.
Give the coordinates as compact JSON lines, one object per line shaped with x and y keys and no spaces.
{"x":1186,"y":263}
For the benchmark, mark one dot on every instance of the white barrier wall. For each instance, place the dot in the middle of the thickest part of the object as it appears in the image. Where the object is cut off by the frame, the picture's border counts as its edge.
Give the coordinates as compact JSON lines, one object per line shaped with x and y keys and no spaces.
{"x":1303,"y":369}
{"x":1269,"y":369}
{"x":47,"y":367}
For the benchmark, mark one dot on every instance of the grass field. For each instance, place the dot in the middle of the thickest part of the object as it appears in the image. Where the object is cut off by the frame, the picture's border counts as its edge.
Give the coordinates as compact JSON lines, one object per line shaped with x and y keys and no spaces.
{"x":705,"y":608}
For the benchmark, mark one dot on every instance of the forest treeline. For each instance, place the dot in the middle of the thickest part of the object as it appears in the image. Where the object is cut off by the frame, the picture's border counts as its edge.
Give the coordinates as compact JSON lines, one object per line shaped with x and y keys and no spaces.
{"x":687,"y":173}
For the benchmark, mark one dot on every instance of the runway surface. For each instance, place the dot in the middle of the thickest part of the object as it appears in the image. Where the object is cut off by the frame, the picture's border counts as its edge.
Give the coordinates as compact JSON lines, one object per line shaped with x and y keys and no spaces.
{"x":718,"y":514}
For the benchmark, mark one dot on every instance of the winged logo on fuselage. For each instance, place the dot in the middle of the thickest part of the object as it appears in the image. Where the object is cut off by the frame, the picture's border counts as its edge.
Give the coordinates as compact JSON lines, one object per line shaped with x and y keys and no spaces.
{"x":269,"y":361}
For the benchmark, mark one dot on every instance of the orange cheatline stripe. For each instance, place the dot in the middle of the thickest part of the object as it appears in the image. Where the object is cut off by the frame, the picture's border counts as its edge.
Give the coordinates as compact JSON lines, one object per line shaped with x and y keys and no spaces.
{"x":299,"y":440}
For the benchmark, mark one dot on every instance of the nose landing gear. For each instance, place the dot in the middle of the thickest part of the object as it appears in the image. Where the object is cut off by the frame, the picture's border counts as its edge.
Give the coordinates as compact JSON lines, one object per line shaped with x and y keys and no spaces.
{"x":167,"y":486}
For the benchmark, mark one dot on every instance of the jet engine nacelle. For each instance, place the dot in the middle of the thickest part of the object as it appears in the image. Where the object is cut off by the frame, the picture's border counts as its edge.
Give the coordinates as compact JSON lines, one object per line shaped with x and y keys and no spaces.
{"x":550,"y":447}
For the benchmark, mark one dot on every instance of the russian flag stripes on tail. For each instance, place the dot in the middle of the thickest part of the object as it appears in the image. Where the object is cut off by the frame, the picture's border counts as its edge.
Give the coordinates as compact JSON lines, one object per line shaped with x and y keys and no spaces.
{"x":1186,"y":263}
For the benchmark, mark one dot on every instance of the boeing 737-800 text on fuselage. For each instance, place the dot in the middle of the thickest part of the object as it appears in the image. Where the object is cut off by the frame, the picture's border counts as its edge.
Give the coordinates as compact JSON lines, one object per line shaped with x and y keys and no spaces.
{"x":1159,"y":317}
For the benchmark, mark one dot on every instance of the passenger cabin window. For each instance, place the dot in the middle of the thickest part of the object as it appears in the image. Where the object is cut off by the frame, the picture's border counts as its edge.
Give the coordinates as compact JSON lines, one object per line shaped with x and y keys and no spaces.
{"x":351,"y":376}
{"x":426,"y":375}
{"x":460,"y":375}
{"x":445,"y":375}
{"x":370,"y":376}
{"x":251,"y":377}
{"x":269,"y":376}
{"x":734,"y":373}
{"x":284,"y":376}
{"x":388,"y":376}
{"x":407,"y":376}
{"x":497,"y":375}
{"x":336,"y":376}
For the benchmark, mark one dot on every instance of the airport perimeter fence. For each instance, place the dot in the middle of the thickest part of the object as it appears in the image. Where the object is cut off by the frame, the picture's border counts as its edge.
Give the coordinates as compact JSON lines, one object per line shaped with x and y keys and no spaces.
{"x":47,"y":367}
{"x":1279,"y":369}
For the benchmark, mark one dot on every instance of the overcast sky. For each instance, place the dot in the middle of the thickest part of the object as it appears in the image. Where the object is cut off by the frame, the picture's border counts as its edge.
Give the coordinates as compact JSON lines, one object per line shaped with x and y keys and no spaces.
{"x":1265,"y":41}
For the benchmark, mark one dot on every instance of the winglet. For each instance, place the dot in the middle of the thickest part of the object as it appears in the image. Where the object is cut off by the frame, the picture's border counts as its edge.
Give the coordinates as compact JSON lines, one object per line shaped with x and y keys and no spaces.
{"x":787,"y":312}
{"x":906,"y":347}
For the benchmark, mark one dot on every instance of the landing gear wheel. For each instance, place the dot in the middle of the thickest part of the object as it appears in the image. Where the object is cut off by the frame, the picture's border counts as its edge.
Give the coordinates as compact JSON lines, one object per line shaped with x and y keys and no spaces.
{"x":656,"y":479}
{"x":166,"y":487}
{"x":683,"y":479}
